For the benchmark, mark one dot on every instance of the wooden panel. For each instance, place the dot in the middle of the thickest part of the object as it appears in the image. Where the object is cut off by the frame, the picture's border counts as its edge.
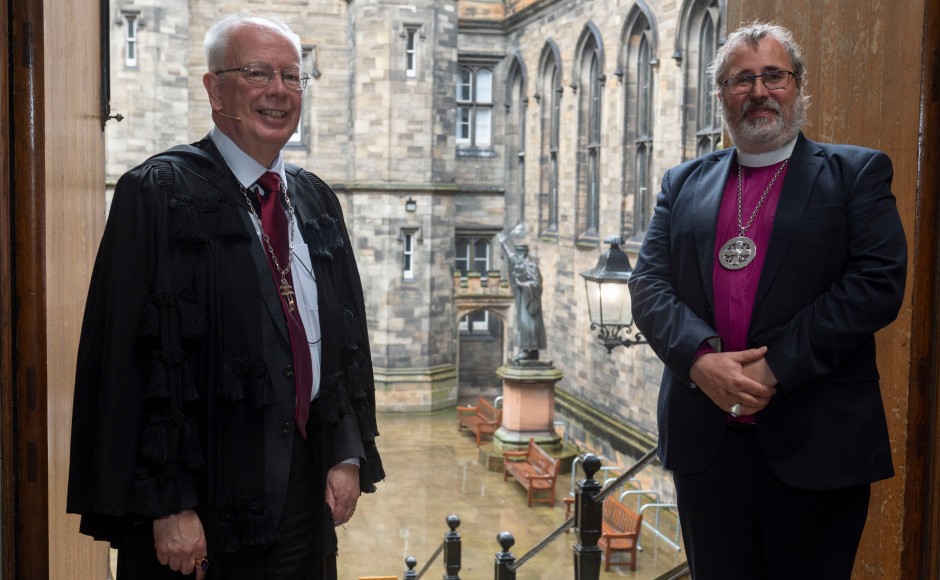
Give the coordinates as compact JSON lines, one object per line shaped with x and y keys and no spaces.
{"x":30,"y":492}
{"x":922,"y":527}
{"x":74,"y":215}
{"x":864,"y":60}
{"x":7,"y":505}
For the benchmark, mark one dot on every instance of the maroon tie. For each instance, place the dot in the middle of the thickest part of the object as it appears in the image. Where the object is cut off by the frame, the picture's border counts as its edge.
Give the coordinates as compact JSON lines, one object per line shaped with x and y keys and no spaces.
{"x":275,"y":224}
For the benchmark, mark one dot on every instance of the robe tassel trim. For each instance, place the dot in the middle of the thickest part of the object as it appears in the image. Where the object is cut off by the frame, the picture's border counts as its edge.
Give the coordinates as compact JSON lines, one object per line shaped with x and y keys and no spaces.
{"x":351,"y":327}
{"x":195,"y":219}
{"x":323,"y":236}
{"x":191,"y":323}
{"x":244,"y":522}
{"x":331,"y":403}
{"x":171,"y":370}
{"x":246,"y":380}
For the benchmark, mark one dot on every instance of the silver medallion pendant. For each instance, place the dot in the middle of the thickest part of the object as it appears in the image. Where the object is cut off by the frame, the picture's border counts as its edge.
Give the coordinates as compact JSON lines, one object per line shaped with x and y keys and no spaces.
{"x":737,"y":253}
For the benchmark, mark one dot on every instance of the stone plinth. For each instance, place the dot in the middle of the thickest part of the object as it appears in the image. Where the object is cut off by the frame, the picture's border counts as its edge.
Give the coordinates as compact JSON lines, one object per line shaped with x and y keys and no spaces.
{"x":528,"y":405}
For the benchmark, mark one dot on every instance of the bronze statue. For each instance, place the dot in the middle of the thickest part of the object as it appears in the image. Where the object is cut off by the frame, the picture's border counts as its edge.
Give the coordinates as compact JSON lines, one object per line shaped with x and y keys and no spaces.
{"x":526,"y":282}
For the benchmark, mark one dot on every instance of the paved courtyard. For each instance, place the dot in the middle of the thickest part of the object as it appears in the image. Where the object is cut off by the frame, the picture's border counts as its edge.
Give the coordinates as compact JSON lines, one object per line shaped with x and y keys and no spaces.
{"x":433,"y":471}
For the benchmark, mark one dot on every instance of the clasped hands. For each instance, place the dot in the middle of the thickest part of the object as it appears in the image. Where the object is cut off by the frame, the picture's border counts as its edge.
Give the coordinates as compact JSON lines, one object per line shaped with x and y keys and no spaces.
{"x":738,"y":377}
{"x":180,"y":539}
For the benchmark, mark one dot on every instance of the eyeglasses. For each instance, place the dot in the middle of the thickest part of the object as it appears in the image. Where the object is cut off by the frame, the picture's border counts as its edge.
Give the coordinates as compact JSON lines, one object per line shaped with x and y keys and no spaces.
{"x":262,"y":74}
{"x":773,"y":80}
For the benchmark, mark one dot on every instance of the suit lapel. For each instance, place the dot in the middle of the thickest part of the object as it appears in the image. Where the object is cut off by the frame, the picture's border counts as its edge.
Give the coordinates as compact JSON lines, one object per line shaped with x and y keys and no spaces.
{"x":270,"y":298}
{"x":708,"y":192}
{"x":805,"y":164}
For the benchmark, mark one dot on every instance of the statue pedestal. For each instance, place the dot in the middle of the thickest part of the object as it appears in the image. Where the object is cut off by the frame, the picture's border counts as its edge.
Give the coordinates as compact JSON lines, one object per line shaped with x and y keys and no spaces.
{"x":528,"y":405}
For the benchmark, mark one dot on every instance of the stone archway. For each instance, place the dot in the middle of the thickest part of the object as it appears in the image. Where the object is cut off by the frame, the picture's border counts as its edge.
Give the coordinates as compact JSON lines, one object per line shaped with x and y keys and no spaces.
{"x":482,"y":342}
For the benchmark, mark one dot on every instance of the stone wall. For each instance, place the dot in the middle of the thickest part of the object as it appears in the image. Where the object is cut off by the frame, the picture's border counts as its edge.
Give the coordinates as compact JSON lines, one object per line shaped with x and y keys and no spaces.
{"x":381,"y":137}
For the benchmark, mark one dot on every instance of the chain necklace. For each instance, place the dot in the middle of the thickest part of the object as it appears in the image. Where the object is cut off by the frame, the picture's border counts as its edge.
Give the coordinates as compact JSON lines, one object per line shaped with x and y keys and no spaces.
{"x":740,"y":251}
{"x":286,"y":291}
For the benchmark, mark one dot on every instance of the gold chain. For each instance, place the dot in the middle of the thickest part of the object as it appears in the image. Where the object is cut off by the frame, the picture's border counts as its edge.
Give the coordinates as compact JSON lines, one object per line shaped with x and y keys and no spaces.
{"x":264,"y":234}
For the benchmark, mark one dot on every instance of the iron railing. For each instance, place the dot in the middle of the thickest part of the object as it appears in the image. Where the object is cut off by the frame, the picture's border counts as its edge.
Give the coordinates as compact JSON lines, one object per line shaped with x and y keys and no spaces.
{"x":588,"y":515}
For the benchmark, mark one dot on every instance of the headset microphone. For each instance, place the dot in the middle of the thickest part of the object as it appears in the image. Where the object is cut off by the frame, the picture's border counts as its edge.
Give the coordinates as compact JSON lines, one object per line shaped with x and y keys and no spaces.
{"x":219,"y":112}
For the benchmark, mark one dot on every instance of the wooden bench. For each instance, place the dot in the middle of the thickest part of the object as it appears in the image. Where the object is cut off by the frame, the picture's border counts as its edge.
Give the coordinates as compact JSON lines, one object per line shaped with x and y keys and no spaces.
{"x":620,"y":530}
{"x":482,"y":418}
{"x":535,"y":469}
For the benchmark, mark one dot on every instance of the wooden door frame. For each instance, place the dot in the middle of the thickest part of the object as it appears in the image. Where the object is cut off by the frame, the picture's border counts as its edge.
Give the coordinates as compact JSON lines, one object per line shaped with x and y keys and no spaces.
{"x":924,"y":499}
{"x":22,"y":269}
{"x":7,"y":500}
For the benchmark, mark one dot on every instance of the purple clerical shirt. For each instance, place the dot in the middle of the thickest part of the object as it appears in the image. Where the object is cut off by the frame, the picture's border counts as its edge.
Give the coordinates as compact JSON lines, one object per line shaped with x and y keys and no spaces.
{"x":735,"y":290}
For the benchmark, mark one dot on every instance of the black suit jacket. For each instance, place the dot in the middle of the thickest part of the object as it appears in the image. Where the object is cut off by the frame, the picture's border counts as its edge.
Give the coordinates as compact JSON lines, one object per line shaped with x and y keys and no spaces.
{"x":834,"y":274}
{"x":345,"y":442}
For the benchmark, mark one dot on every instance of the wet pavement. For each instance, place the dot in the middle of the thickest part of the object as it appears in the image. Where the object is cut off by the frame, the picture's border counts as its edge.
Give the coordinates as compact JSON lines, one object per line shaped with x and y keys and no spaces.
{"x":432,"y":472}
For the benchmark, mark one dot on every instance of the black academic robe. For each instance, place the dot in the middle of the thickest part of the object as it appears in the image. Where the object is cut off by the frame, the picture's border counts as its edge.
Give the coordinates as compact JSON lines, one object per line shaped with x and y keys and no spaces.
{"x":184,"y":394}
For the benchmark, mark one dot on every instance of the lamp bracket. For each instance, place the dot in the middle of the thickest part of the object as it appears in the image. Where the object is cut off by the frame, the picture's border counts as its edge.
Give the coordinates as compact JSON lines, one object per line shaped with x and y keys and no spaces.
{"x":609,"y":336}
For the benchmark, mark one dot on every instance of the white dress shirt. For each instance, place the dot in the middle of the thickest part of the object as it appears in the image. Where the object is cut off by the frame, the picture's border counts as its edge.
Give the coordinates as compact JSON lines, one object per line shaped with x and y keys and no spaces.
{"x":247,"y":171}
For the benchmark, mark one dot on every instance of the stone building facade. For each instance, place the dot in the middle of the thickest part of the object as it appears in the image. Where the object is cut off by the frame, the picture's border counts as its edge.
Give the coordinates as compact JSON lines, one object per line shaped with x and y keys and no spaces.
{"x":444,"y":122}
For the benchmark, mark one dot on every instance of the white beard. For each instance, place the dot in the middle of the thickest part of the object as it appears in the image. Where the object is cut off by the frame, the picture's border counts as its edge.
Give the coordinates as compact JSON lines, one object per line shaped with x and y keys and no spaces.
{"x":765,"y":134}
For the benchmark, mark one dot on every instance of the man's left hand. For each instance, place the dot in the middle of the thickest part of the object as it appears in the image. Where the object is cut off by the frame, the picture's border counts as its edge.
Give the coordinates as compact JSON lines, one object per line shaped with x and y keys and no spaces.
{"x":760,"y":371}
{"x":342,"y":491}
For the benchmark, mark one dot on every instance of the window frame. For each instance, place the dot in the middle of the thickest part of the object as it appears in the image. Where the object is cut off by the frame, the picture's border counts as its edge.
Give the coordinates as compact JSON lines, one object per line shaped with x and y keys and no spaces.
{"x":409,"y":237}
{"x":472,"y":240}
{"x":132,"y":24}
{"x":411,"y":51}
{"x":474,"y":113}
{"x":637,"y":72}
{"x":708,"y":117}
{"x":696,"y":18}
{"x":590,"y":81}
{"x":515,"y":138}
{"x":408,"y":254}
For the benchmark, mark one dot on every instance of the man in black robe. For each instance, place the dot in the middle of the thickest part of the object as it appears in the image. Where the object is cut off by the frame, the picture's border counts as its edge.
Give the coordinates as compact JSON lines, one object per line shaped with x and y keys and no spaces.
{"x":215,"y":429}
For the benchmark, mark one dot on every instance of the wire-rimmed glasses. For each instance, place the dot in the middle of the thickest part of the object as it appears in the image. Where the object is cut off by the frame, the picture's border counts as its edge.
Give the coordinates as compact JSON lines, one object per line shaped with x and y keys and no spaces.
{"x":773,"y":80}
{"x":263,"y":74}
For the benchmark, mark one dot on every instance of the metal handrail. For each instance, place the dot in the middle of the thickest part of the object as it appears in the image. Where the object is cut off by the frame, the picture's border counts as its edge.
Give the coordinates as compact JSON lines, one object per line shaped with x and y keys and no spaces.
{"x":629,"y":474}
{"x":437,"y":552}
{"x":655,"y":529}
{"x":574,"y":470}
{"x":543,"y":544}
{"x":639,"y":492}
{"x":589,"y":490}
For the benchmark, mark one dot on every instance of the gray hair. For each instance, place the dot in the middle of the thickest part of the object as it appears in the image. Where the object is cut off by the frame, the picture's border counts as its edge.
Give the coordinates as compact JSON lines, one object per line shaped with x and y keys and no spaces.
{"x":219,"y":36}
{"x":751,"y":35}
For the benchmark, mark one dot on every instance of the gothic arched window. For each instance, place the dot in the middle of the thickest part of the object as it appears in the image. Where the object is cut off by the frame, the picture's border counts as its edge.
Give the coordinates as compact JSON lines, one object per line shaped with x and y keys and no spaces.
{"x":515,"y":147}
{"x":590,"y":82}
{"x":700,"y":34}
{"x":638,"y":60}
{"x":549,"y":96}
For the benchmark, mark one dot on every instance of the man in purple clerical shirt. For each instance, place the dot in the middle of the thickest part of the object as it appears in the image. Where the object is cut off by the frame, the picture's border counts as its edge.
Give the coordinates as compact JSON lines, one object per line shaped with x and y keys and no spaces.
{"x":765,"y":273}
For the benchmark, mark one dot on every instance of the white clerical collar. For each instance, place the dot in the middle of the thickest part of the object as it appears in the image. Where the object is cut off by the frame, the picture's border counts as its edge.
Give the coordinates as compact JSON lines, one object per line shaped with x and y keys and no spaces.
{"x":768,"y":158}
{"x":246,"y":169}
